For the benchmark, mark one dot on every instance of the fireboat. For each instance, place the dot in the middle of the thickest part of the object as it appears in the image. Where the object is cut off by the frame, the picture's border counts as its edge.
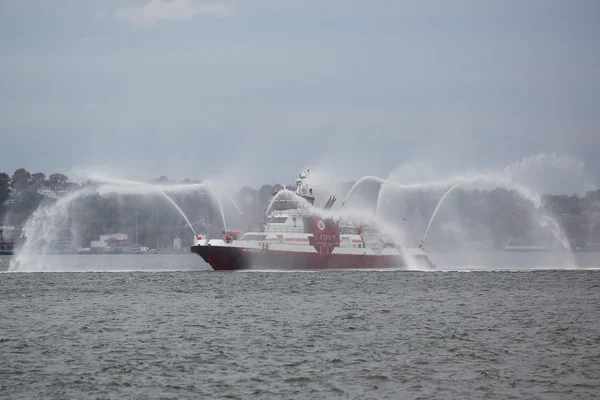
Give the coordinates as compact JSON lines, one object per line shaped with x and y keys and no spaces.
{"x":296,"y":237}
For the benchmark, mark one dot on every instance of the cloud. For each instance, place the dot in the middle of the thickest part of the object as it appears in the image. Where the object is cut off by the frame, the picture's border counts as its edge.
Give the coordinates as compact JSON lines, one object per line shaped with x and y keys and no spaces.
{"x":99,"y":15}
{"x":174,"y":10}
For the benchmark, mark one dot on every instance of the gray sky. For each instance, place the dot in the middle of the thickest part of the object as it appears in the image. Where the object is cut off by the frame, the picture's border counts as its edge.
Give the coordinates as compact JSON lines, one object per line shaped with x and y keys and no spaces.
{"x":253,"y":89}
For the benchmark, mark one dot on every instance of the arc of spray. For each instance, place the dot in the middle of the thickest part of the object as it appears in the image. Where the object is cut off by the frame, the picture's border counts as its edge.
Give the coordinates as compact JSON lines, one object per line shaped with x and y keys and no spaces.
{"x":361,"y":180}
{"x":159,"y":190}
{"x":222,"y":193}
{"x":180,"y":211}
{"x":285,"y":192}
{"x":437,"y":208}
{"x":210,"y":186}
{"x":382,"y":182}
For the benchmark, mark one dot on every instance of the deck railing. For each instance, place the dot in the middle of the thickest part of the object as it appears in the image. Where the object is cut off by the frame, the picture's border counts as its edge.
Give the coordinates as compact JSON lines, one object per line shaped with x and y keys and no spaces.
{"x":284,"y":229}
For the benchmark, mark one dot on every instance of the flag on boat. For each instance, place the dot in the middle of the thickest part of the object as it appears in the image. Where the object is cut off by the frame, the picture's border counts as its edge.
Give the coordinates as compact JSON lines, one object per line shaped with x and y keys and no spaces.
{"x":404,"y":220}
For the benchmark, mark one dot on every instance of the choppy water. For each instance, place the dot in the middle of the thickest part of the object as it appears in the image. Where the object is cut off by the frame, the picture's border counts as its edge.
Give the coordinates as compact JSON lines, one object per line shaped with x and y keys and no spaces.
{"x":346,"y":334}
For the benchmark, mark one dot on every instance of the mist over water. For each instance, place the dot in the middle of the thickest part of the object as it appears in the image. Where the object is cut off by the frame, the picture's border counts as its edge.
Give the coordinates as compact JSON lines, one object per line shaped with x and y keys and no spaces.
{"x":410,"y":206}
{"x":43,"y":229}
{"x":421,"y":203}
{"x":528,"y":179}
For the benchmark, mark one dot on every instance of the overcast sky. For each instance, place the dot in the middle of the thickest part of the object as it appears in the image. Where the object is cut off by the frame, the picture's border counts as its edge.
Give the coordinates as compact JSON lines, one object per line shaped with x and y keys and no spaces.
{"x":263,"y":88}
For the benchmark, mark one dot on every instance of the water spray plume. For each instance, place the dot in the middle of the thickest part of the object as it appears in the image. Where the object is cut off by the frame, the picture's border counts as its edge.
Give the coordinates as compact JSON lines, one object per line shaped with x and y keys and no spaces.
{"x":512,"y":178}
{"x":40,"y":229}
{"x":217,"y":188}
{"x":290,"y":195}
{"x":519,"y":178}
{"x":116,"y":185}
{"x":360,"y":182}
{"x":220,"y":204}
{"x":215,"y":191}
{"x":39,"y":232}
{"x":180,"y":212}
{"x":212,"y":188}
{"x":435,"y":212}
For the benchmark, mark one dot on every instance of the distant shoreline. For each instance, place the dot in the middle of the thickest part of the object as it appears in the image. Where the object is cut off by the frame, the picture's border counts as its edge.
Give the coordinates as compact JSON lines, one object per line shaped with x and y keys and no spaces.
{"x":432,"y":250}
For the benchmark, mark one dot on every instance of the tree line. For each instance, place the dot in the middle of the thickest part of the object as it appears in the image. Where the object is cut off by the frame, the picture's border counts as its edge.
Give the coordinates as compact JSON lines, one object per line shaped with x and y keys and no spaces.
{"x":22,"y":179}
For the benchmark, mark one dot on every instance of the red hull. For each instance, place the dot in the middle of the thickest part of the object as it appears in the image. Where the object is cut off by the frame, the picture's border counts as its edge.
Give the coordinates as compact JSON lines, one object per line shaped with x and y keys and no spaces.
{"x":224,"y":258}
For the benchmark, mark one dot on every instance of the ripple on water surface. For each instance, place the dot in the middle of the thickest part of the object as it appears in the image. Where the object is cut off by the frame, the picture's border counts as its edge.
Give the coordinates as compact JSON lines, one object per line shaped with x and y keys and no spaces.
{"x":322,"y":335}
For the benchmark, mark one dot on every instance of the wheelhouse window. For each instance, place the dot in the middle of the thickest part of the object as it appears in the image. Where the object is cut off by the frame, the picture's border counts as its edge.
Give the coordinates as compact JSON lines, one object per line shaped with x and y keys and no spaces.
{"x":276,"y":220}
